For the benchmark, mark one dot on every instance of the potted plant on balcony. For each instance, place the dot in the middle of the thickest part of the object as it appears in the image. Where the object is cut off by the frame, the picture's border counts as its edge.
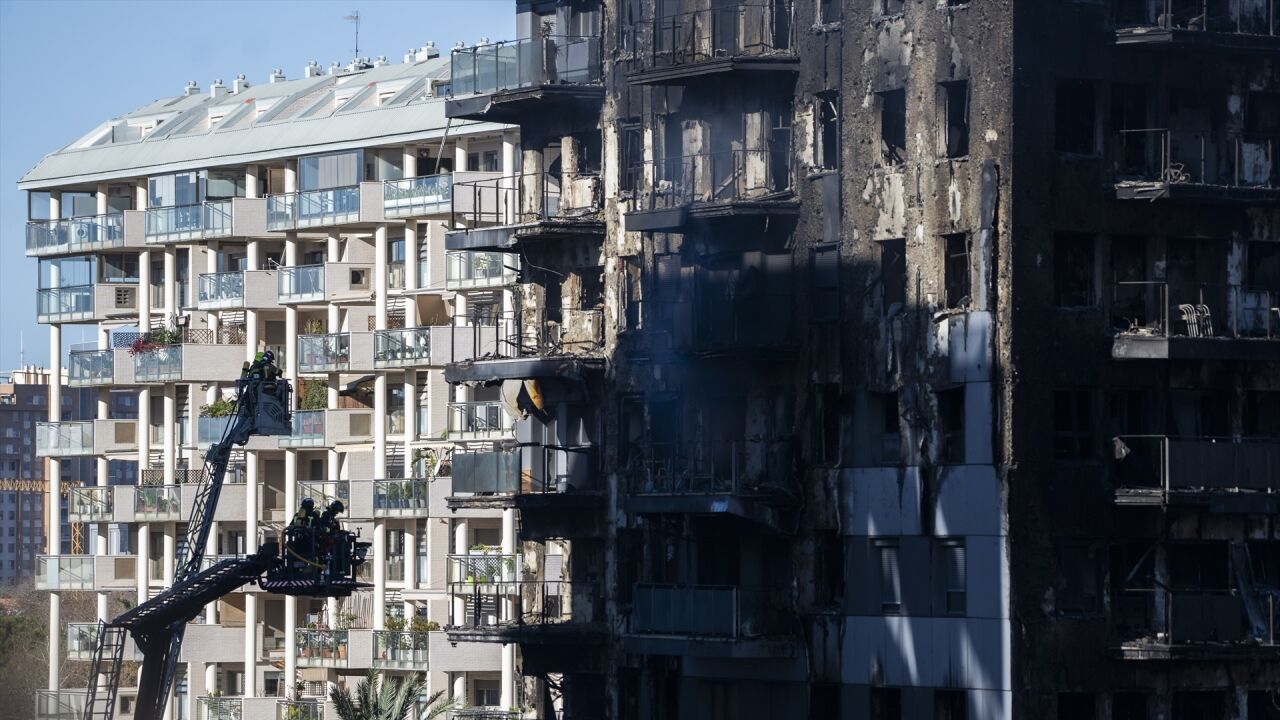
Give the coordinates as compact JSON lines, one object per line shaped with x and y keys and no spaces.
{"x":220,"y":407}
{"x":394,"y":492}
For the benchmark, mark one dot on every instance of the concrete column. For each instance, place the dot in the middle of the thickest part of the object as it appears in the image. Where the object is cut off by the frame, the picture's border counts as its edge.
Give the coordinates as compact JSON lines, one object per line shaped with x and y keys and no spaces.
{"x":55,"y":641}
{"x":251,"y":181}
{"x":170,"y":551}
{"x":144,"y":561}
{"x":379,"y":562}
{"x":460,"y":689}
{"x":290,"y":645}
{"x":380,"y":276}
{"x":410,"y":562}
{"x":252,"y":481}
{"x":253,"y":261}
{"x":290,"y":176}
{"x":169,"y":433}
{"x":410,"y":161}
{"x":140,"y":199}
{"x":410,"y":272}
{"x":410,"y":415}
{"x":210,"y":267}
{"x":101,"y":472}
{"x":291,"y":314}
{"x":509,"y":150}
{"x":170,"y":285}
{"x":53,"y":467}
{"x":210,"y":678}
{"x":460,"y":147}
{"x":509,"y":649}
{"x":250,"y":644}
{"x":211,"y":548}
{"x":253,"y":255}
{"x":144,"y":290}
{"x":461,"y":543}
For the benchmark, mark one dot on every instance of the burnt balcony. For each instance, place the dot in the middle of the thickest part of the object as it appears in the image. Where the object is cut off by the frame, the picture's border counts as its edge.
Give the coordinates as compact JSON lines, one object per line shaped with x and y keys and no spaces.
{"x":500,"y":212}
{"x":1222,"y":25}
{"x":716,"y":323}
{"x":522,"y":345}
{"x":1196,"y":166}
{"x":525,"y":611}
{"x":747,"y":37}
{"x":710,"y":186}
{"x":504,"y":81}
{"x":750,"y":480}
{"x":1155,"y":320}
{"x":1223,"y":474}
{"x":729,"y":621}
{"x":1195,"y":624}
{"x":557,"y":488}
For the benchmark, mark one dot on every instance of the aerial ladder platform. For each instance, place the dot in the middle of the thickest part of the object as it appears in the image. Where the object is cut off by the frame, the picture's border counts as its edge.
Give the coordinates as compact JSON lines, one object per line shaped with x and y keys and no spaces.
{"x":157,"y":625}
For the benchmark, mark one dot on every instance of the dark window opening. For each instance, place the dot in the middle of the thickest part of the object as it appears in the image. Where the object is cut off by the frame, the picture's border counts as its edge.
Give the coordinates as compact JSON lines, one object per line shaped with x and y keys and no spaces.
{"x":551,"y":307}
{"x":1075,"y":113}
{"x":824,"y":701}
{"x":1130,"y":412}
{"x":827,"y":434}
{"x":1262,"y":414}
{"x":893,"y":275}
{"x":1073,"y":270}
{"x":890,"y":430}
{"x":1262,"y":114}
{"x":950,"y":705}
{"x":951,"y":424}
{"x":828,"y":131}
{"x":893,"y":126}
{"x":886,"y":704}
{"x":825,"y":292}
{"x":892,"y":7}
{"x":829,"y":10}
{"x":1072,"y":424}
{"x":829,"y":579}
{"x":1130,"y":706}
{"x":1199,"y":705}
{"x":1263,"y":268}
{"x":1134,"y":140}
{"x":1199,"y":566}
{"x":1264,"y":705}
{"x":631,"y":145}
{"x":591,"y":281}
{"x":1078,"y":588}
{"x":956,"y":270}
{"x":954,"y":97}
{"x":780,"y":114}
{"x":630,"y":427}
{"x":890,"y":579}
{"x":1077,"y":706}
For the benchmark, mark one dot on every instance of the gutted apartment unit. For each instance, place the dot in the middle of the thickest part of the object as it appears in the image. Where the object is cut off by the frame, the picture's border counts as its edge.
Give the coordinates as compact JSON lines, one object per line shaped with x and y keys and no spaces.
{"x":882,"y":358}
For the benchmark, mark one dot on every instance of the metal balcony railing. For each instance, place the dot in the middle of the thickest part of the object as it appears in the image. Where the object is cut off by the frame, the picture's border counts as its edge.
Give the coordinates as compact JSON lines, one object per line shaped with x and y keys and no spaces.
{"x":90,"y":504}
{"x":82,"y":641}
{"x":1170,"y":464}
{"x":64,"y":572}
{"x":408,"y":347}
{"x":1174,"y":157}
{"x":64,"y":439}
{"x":530,"y":334}
{"x":308,"y":430}
{"x":395,"y":650}
{"x":1201,"y":310}
{"x":75,"y":235}
{"x":87,"y":368}
{"x":1197,"y":617}
{"x":221,"y":290}
{"x":524,"y":603}
{"x":729,"y":611}
{"x":300,"y":283}
{"x":735,"y":467}
{"x":61,"y":704}
{"x":465,"y":270}
{"x":161,"y":364}
{"x":713,"y":177}
{"x":1259,"y":17}
{"x":219,"y":708}
{"x":514,"y":64}
{"x":324,"y":353}
{"x":157,"y":503}
{"x":509,"y":200}
{"x":747,"y":29}
{"x":322,"y":648}
{"x":64,"y":304}
{"x":313,"y":208}
{"x":478,"y":421}
{"x":401,"y":497}
{"x":425,"y":195}
{"x":188,"y":222}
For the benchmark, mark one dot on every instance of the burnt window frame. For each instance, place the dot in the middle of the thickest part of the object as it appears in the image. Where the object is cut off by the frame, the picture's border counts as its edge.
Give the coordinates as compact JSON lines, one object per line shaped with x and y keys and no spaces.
{"x":957,"y":271}
{"x":826,"y":155}
{"x":951,"y":412}
{"x":1075,"y":244}
{"x":1065,"y":144}
{"x":893,"y":254}
{"x":1079,"y":403}
{"x":889,"y":8}
{"x":946,"y":99}
{"x":891,"y":106}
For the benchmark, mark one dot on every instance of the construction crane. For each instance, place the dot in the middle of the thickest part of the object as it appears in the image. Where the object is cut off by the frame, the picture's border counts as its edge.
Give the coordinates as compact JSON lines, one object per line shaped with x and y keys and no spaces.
{"x":297,"y":566}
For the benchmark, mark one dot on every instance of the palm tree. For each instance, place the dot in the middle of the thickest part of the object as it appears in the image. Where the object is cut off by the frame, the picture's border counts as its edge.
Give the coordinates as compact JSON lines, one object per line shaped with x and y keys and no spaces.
{"x":379,"y":698}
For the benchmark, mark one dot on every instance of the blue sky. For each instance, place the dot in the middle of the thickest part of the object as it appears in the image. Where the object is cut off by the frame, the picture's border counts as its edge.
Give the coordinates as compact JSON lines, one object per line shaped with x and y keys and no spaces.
{"x":66,"y":66}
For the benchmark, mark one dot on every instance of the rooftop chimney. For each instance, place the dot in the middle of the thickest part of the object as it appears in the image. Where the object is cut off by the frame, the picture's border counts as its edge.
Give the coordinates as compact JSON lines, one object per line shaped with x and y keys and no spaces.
{"x":240,"y":84}
{"x":217,"y":89}
{"x":191,"y":89}
{"x":380,"y":61}
{"x":430,"y":51}
{"x":483,"y":41}
{"x":276,"y":76}
{"x":459,"y":45}
{"x":333,"y":67}
{"x":312,"y":70}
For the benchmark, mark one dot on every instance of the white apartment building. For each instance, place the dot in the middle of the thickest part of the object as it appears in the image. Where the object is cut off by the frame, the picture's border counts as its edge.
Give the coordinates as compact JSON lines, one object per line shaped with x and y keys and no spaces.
{"x":304,"y":216}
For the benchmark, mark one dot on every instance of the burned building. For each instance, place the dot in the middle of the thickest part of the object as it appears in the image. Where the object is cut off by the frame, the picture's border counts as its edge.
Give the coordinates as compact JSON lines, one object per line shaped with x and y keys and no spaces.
{"x":881,"y":358}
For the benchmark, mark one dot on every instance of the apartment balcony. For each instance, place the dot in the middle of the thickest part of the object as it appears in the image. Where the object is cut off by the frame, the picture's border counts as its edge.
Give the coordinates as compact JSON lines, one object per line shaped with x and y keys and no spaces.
{"x":219,"y":708}
{"x":87,"y":303}
{"x":730,"y":621}
{"x":64,"y":572}
{"x":90,"y":504}
{"x":556,"y":488}
{"x":1194,"y":321}
{"x":478,"y":421}
{"x":506,"y":81}
{"x":112,"y":437}
{"x":498,"y":213}
{"x":1189,"y":165}
{"x":238,"y":290}
{"x":184,"y":223}
{"x":91,"y":368}
{"x":74,"y":236}
{"x":324,"y":353}
{"x":1195,"y":624}
{"x":157,"y":503}
{"x":432,"y":346}
{"x":294,"y":710}
{"x":188,"y":363}
{"x":526,"y":611}
{"x":719,"y":321}
{"x":528,"y":345}
{"x":64,"y":439}
{"x":319,"y":284}
{"x":449,"y":656}
{"x":1239,"y":475}
{"x":323,"y":648}
{"x":749,"y":480}
{"x":61,"y":704}
{"x":1182,"y":25}
{"x":326,"y":208}
{"x":395,"y":650}
{"x":82,"y":641}
{"x":407,"y":497}
{"x":417,"y":197}
{"x":327,"y":428}
{"x":749,"y":37}
{"x":465,"y":270}
{"x":708,"y":187}
{"x":210,"y":430}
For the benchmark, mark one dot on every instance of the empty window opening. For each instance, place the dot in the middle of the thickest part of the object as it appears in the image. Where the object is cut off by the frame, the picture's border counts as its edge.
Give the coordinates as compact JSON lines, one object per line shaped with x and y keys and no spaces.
{"x":1199,"y":566}
{"x":828,"y":106}
{"x":827,"y":437}
{"x":893,"y":126}
{"x":951,"y":424}
{"x":1077,"y":706}
{"x":1199,"y":704}
{"x":1263,"y":705}
{"x":954,"y":99}
{"x":951,"y":571}
{"x":1072,"y":424}
{"x":631,"y":144}
{"x":886,"y":704}
{"x":825,"y":291}
{"x":890,"y":579}
{"x":1077,"y":590}
{"x":824,"y":700}
{"x":829,"y":580}
{"x":591,"y":281}
{"x":956,"y":270}
{"x":891,"y":7}
{"x":890,"y":430}
{"x":1073,"y":270}
{"x":893,"y":275}
{"x":1132,"y":706}
{"x":829,"y":10}
{"x":950,"y":705}
{"x":1075,"y":117}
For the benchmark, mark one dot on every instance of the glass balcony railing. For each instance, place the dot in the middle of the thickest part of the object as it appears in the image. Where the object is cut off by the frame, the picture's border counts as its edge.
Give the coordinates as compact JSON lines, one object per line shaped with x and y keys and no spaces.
{"x":157,"y":503}
{"x":478,"y":421}
{"x":221,"y":290}
{"x":64,"y":439}
{"x":162,"y":364}
{"x":188,"y":222}
{"x":323,"y":492}
{"x":313,"y":208}
{"x":82,"y":641}
{"x":483,"y":713}
{"x":464,"y":270}
{"x":409,"y":347}
{"x":89,"y":504}
{"x":299,"y":710}
{"x":401,"y":497}
{"x":395,"y":650}
{"x":324,"y":353}
{"x":219,"y":708}
{"x":417,"y":196}
{"x":75,"y":235}
{"x":510,"y":65}
{"x":322,"y":648}
{"x":300,"y":283}
{"x":64,"y":304}
{"x":61,"y":704}
{"x":210,"y":430}
{"x":64,"y":572}
{"x":708,"y":610}
{"x":87,"y":368}
{"x":308,"y":430}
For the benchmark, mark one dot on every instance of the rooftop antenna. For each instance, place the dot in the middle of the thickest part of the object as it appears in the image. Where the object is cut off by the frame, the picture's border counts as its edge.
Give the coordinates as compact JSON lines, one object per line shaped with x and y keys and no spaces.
{"x":355,"y":18}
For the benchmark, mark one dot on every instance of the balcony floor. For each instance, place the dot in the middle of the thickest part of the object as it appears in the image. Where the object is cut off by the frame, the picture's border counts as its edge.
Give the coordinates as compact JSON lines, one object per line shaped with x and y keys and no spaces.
{"x":710,"y":647}
{"x":569,"y":367}
{"x":506,"y":237}
{"x":1197,"y":193}
{"x":1182,"y":40}
{"x":1215,"y":501}
{"x":565,"y":633}
{"x":674,"y":219}
{"x":1205,"y":651}
{"x":511,"y":106}
{"x":1144,"y":347}
{"x":713,"y":68}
